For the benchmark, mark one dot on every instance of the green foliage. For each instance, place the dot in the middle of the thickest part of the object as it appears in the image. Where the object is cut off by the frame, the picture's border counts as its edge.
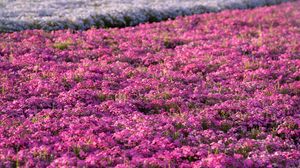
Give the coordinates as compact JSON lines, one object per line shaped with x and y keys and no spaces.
{"x":171,"y":44}
{"x":244,"y":151}
{"x":76,"y":151}
{"x":63,"y":45}
{"x":254,"y":133}
{"x":204,"y":124}
{"x":224,"y":114}
{"x":78,"y":78}
{"x":225,"y":127}
{"x":270,"y":148}
{"x":104,"y":97}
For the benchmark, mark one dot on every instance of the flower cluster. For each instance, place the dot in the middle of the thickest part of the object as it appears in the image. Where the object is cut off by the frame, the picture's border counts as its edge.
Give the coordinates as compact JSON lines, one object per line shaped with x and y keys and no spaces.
{"x":210,"y":90}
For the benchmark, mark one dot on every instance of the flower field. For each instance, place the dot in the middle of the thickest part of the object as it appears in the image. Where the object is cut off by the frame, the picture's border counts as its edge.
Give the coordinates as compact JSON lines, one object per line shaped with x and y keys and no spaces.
{"x":210,"y":90}
{"x":16,"y":15}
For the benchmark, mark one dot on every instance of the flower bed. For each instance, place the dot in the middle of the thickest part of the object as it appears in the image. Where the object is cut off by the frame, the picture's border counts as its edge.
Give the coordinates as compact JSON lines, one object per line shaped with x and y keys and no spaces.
{"x":211,"y":90}
{"x":82,"y":14}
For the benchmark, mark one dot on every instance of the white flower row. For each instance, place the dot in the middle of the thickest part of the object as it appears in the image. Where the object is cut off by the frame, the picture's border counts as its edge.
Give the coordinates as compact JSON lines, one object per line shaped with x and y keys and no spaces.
{"x":81,"y":14}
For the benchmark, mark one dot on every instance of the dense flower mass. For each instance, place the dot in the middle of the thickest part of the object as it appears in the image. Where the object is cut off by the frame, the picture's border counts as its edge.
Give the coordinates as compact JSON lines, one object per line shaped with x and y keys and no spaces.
{"x":211,"y":90}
